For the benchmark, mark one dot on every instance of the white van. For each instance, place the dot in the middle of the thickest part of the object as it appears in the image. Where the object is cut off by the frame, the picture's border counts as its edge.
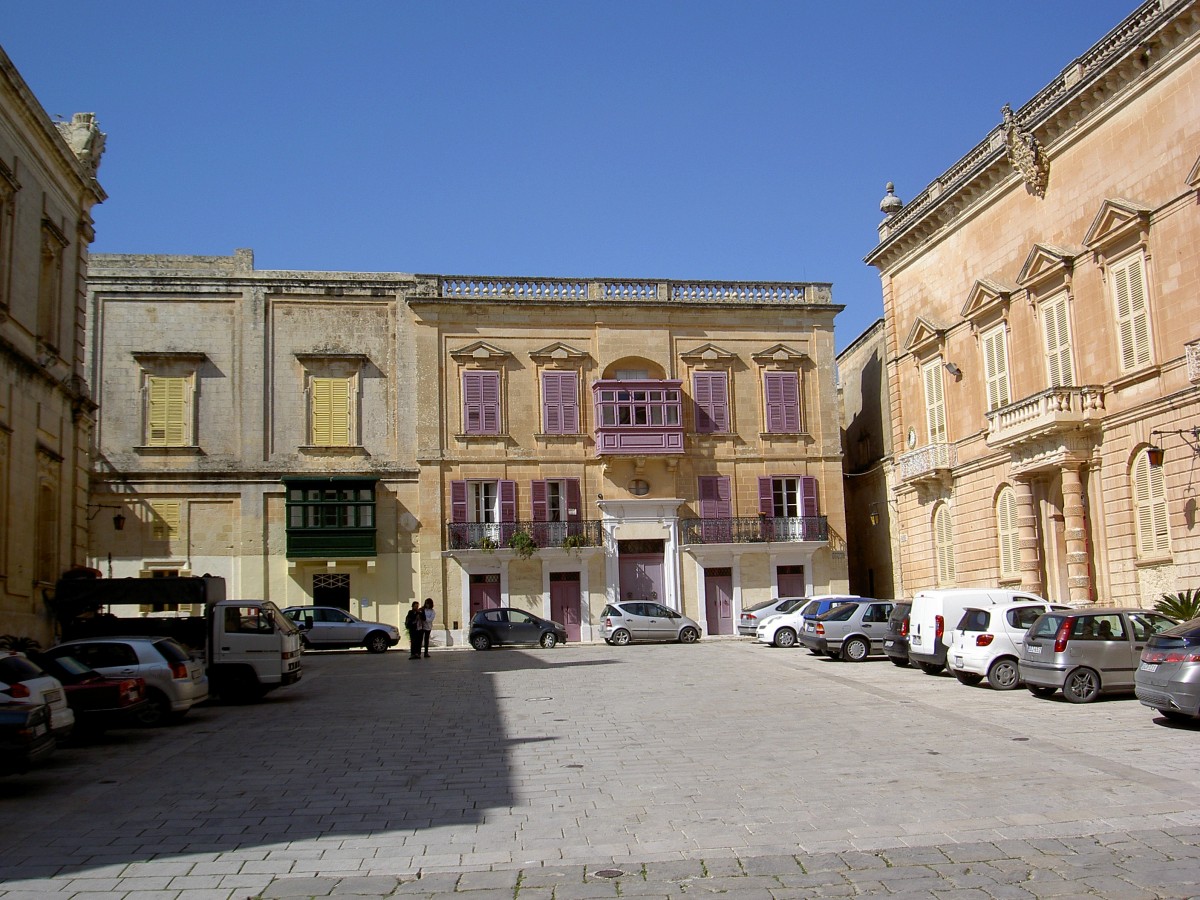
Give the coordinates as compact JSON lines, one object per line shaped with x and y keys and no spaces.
{"x":935,"y":613}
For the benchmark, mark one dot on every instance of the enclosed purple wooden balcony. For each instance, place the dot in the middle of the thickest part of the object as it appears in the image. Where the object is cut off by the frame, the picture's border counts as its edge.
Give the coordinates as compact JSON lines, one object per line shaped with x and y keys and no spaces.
{"x":638,"y":418}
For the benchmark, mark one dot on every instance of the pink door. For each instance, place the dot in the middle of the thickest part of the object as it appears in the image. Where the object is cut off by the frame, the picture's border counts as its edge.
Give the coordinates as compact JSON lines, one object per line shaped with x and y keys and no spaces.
{"x":642,"y":576}
{"x":791,"y":581}
{"x":485,"y":593}
{"x":565,"y":601}
{"x":718,"y":600}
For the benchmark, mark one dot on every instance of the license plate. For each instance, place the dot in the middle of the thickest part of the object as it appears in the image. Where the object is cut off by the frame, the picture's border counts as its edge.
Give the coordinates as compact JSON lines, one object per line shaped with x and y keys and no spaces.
{"x":889,"y":643}
{"x":958,"y":661}
{"x":39,"y":729}
{"x":1034,"y":648}
{"x":1149,"y":667}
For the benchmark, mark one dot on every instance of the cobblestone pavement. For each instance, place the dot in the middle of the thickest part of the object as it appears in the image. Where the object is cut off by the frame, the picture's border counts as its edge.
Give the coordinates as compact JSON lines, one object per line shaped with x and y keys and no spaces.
{"x":596,"y":771}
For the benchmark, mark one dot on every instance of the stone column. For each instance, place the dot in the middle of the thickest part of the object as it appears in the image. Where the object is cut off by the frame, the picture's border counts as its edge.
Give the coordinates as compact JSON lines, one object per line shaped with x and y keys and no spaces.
{"x":1027,"y":542}
{"x":1079,"y":579}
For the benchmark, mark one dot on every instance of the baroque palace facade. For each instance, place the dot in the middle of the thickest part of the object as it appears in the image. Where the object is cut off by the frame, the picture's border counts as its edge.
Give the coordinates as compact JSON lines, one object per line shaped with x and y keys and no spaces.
{"x":363,"y":440}
{"x":48,"y":187}
{"x":1042,"y":309}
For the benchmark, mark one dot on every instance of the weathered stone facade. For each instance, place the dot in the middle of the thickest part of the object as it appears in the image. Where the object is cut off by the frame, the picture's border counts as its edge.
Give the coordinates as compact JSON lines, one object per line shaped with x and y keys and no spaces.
{"x":1041,"y":307}
{"x":47,"y":190}
{"x":473,"y":415}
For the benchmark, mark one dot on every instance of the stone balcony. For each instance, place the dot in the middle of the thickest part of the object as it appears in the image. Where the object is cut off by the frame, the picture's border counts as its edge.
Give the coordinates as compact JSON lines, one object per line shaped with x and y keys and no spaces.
{"x":1051,"y":412}
{"x":932,"y":462}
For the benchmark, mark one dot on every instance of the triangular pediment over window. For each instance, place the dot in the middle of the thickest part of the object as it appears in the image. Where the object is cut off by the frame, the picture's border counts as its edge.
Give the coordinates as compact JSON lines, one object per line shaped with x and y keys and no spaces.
{"x":708,"y":353}
{"x":1045,"y":261}
{"x":558,"y":353}
{"x":923,"y":336}
{"x":1193,"y":178}
{"x":480,"y":351}
{"x":780,"y":355}
{"x":987,"y":296}
{"x":1117,"y":219}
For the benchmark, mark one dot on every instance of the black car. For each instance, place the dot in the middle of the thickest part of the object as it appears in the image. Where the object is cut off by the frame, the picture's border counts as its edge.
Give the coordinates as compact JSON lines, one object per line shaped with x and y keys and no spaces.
{"x":895,"y":642}
{"x":25,"y":736}
{"x":505,"y":625}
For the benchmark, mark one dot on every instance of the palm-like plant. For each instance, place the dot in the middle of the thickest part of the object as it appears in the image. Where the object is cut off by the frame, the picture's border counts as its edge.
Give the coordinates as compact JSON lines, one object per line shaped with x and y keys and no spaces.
{"x":1182,"y":605}
{"x":15,"y":642}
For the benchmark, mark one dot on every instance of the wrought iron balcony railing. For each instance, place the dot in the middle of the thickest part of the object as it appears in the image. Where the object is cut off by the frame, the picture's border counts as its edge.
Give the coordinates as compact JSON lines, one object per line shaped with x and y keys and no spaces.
{"x":545,"y":535}
{"x":753,"y":529}
{"x":931,"y":462}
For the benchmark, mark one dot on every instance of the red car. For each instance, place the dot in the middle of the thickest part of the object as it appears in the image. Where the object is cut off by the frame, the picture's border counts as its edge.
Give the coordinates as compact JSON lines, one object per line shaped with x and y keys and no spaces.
{"x":97,"y":701}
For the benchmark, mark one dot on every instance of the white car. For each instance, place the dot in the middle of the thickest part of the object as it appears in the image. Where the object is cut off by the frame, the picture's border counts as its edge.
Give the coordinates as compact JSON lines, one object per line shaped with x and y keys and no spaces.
{"x":987,"y":642}
{"x":751,"y":616}
{"x":782,"y":630}
{"x":23,"y":681}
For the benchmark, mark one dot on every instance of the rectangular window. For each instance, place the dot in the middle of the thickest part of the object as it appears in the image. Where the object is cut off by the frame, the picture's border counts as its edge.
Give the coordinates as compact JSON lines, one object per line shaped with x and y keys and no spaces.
{"x":995,"y":367}
{"x":782,"y":391}
{"x":481,"y":402}
{"x":168,"y":411}
{"x":711,"y":393}
{"x":790,"y":507}
{"x":638,"y":408}
{"x":484,"y":502}
{"x":1058,"y":341}
{"x":164,"y":520}
{"x":1133,"y":318}
{"x":330,"y":517}
{"x":560,"y":402}
{"x":330,"y":406}
{"x":556,"y":500}
{"x":50,"y":284}
{"x":935,"y":408}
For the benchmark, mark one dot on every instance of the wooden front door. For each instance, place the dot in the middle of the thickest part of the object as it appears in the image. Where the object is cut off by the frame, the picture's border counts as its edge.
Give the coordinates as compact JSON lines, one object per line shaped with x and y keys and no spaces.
{"x":565,"y":601}
{"x":718,"y":600}
{"x":485,"y":593}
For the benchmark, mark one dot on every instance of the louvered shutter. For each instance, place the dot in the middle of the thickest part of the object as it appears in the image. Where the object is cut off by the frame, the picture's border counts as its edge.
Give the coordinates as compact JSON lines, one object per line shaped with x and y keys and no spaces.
{"x":574,"y":500}
{"x":560,"y":402}
{"x":1153,"y":527}
{"x":538,"y":507}
{"x":166,"y":415}
{"x":935,"y":410}
{"x":715,"y":497}
{"x":995,"y":367}
{"x":1058,"y":341}
{"x":508,"y":501}
{"x":458,"y":501}
{"x":711,"y":394}
{"x":766,"y":497}
{"x":943,"y":535}
{"x":783,"y":402}
{"x":1007,"y":532}
{"x":1133,"y":321}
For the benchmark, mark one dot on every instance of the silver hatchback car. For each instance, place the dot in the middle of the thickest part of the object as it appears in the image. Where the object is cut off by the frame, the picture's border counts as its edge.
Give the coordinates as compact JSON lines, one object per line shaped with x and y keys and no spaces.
{"x":1168,"y":678}
{"x":1087,"y":652}
{"x":852,"y":631}
{"x":643,"y":620}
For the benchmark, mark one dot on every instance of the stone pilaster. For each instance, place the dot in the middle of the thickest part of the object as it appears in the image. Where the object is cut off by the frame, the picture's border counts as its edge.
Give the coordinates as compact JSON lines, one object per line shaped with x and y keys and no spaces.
{"x":1079,"y":579}
{"x":1027,"y":542}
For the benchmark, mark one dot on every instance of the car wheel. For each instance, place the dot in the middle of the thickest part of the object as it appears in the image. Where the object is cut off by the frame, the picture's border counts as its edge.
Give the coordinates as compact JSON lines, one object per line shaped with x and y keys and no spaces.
{"x":969,"y":678}
{"x":689,"y":635}
{"x":856,"y":650}
{"x":1082,"y":686}
{"x":549,"y":639}
{"x":481,"y":641}
{"x":1004,"y":675}
{"x":376,"y":642}
{"x":620,"y":637}
{"x":608,"y":641}
{"x":1042,"y":691}
{"x":785,"y":637}
{"x":896,"y":661}
{"x":931,"y":668}
{"x":157,"y":709}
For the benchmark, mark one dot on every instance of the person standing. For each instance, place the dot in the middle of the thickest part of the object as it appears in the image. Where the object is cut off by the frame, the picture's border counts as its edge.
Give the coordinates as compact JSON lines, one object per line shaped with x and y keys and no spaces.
{"x":428,"y":614}
{"x":413,"y":623}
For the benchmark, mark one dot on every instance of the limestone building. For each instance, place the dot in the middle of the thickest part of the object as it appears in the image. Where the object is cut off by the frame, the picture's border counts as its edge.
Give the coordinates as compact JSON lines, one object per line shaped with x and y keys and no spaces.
{"x":47,"y":190}
{"x":1043,"y":329}
{"x":363,"y":440}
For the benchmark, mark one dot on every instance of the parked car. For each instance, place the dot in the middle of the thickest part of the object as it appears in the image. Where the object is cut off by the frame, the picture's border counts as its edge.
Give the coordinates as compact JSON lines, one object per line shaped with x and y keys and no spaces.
{"x":498,"y":627}
{"x":1168,"y":675}
{"x":98,"y":702}
{"x":852,"y":631}
{"x":25,"y":736}
{"x":986,"y":643}
{"x":1087,"y":653}
{"x":332,"y":628}
{"x":934,"y":613}
{"x":174,"y":681}
{"x":752,"y":616}
{"x":24,"y":681}
{"x":781,"y":630}
{"x":895,"y":642}
{"x":642,"y":620}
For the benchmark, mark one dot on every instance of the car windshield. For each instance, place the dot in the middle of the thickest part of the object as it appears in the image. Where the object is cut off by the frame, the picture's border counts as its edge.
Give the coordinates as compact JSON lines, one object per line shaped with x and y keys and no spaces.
{"x":788,"y":605}
{"x":757,"y":606}
{"x":67,"y":665}
{"x":17,"y":668}
{"x":1185,"y":635}
{"x":171,"y":651}
{"x":974,"y":620}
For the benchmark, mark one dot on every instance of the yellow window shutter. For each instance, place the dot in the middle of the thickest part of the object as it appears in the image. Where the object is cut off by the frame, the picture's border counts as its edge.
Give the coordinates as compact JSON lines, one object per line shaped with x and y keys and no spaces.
{"x":165,"y":524}
{"x":331,"y":412}
{"x":166,"y":413}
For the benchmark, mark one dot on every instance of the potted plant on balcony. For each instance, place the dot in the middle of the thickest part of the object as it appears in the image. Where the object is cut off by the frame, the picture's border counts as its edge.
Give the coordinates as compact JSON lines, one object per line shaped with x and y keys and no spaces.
{"x":487,"y":544}
{"x":573,"y":542}
{"x":522,"y":543}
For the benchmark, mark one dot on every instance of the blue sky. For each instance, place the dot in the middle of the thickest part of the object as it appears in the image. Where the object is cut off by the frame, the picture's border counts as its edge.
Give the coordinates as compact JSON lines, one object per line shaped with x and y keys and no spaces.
{"x":690,"y":140}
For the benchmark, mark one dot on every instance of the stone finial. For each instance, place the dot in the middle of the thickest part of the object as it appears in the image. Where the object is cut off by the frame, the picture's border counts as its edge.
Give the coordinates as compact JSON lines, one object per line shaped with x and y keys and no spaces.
{"x":85,"y":139}
{"x":891,"y":204}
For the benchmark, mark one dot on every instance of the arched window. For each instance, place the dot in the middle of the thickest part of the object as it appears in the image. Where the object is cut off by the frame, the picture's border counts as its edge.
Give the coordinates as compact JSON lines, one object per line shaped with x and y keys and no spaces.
{"x":1150,"y":507}
{"x":943,"y":545}
{"x":1006,"y":532}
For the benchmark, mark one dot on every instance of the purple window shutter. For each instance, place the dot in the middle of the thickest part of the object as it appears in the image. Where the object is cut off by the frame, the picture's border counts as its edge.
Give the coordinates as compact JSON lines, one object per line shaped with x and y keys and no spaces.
{"x":472,"y":405}
{"x":766,"y":497}
{"x":783,"y":402}
{"x":711,"y":391}
{"x":568,"y":395}
{"x":540,"y":513}
{"x":574,"y":501}
{"x":714,"y":497}
{"x":551,"y":404}
{"x":490,"y":401}
{"x":458,"y":501}
{"x":508,"y":501}
{"x":809,"y":505}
